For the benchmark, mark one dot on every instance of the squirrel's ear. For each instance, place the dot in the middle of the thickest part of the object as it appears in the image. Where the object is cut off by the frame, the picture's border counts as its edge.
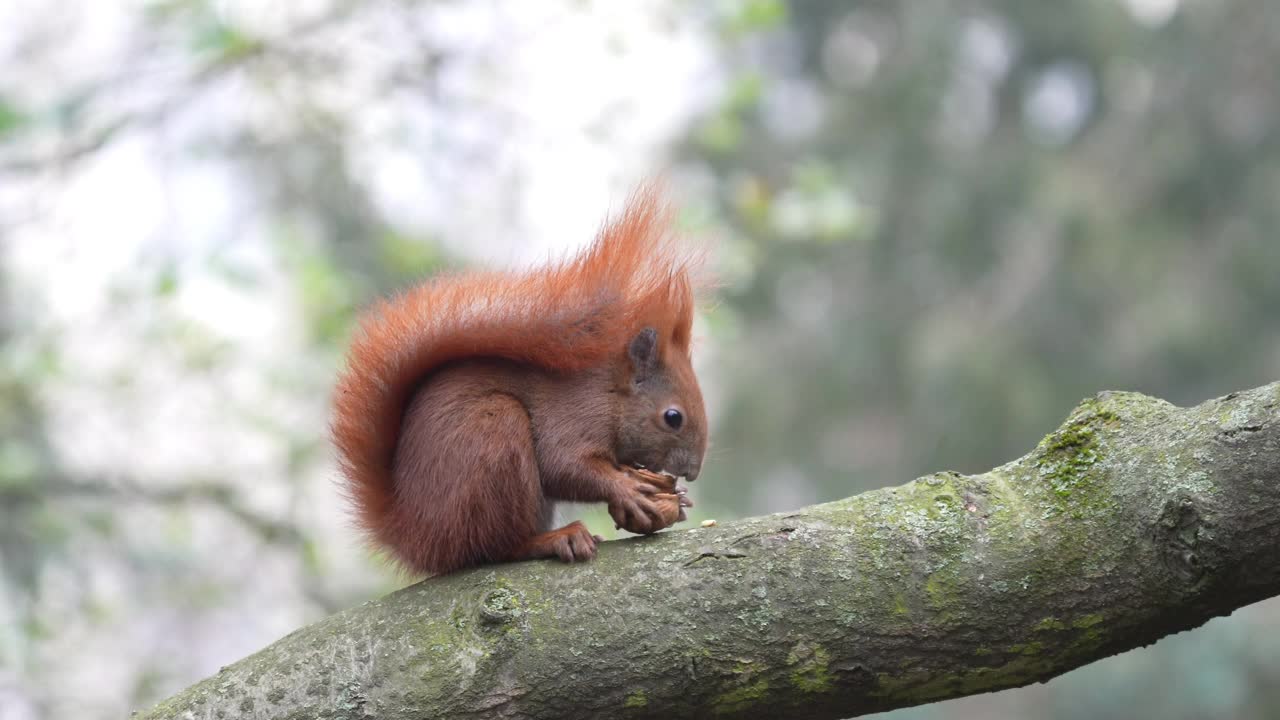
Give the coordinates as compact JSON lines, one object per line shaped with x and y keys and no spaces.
{"x":643,"y":352}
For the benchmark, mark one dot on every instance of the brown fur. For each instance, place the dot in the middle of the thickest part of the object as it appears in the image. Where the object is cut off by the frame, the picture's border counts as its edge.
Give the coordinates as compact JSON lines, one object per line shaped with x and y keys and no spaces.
{"x":472,"y":402}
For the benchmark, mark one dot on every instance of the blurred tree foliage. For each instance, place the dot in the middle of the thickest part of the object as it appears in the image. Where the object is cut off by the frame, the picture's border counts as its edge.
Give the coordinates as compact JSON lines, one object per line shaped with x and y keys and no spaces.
{"x":946,"y":223}
{"x":25,"y":523}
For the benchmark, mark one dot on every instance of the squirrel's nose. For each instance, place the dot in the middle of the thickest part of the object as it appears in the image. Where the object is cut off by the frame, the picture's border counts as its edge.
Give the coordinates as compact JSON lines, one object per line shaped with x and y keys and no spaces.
{"x":686,"y":464}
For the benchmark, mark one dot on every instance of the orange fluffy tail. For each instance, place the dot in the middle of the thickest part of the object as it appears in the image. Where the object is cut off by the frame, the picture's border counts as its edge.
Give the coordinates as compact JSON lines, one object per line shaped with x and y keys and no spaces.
{"x":565,"y":317}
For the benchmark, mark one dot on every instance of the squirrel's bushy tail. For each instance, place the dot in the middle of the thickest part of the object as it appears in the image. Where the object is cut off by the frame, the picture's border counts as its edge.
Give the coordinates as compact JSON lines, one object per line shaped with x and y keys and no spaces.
{"x":567,"y":316}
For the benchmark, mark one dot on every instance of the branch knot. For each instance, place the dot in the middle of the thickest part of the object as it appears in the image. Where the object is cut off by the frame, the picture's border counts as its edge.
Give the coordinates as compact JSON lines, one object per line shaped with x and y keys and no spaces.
{"x":1177,"y":537}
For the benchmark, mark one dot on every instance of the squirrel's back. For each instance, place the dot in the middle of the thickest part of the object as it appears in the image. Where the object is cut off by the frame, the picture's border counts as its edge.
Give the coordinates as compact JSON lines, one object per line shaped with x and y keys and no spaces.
{"x":564,"y":317}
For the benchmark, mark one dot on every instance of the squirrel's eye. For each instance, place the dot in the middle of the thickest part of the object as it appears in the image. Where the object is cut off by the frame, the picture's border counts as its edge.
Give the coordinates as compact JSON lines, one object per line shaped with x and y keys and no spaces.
{"x":673,"y":418}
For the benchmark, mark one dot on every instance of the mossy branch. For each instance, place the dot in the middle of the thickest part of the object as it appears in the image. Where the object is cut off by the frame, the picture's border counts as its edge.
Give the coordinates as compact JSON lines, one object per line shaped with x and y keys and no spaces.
{"x":1134,"y":520}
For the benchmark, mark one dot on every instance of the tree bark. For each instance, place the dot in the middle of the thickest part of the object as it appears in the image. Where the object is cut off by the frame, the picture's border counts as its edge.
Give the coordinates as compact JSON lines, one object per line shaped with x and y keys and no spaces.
{"x":1132,"y":521}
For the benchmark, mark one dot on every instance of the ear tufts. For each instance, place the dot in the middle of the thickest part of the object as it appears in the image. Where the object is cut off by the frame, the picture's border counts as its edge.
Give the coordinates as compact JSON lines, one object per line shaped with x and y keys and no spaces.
{"x":643,"y":352}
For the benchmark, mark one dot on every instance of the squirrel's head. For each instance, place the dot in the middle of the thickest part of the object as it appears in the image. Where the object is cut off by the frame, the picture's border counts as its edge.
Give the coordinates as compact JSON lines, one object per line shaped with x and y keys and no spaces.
{"x":662,"y":425}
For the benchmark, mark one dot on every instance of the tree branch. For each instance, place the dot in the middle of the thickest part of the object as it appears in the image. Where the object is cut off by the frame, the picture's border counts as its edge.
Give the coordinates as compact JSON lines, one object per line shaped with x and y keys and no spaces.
{"x":50,"y":486}
{"x":1132,"y":521}
{"x":79,"y":142}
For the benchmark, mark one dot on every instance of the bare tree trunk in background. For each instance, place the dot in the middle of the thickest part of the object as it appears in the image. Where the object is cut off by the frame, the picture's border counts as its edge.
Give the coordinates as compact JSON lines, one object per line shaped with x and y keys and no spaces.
{"x":1134,"y":520}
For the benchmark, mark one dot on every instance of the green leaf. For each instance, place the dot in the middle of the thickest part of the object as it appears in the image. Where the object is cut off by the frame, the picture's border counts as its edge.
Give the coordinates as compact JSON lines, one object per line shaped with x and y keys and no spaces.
{"x":746,"y":91}
{"x":225,"y":40}
{"x":166,"y":282}
{"x":758,"y":15}
{"x":19,"y":464}
{"x":721,"y":133}
{"x":11,"y":118}
{"x":410,"y":257}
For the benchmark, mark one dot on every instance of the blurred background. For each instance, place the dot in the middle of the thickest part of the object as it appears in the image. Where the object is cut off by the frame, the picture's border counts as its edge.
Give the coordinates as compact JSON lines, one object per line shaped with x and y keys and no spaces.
{"x":937,"y":226}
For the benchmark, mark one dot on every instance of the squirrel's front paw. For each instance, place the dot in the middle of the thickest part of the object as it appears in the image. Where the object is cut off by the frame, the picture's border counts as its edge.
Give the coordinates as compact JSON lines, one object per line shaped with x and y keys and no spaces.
{"x":648,"y":503}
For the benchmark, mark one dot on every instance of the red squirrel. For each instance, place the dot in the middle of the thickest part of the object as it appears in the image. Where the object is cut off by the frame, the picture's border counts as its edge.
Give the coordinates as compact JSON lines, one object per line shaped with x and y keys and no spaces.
{"x":473,"y":402}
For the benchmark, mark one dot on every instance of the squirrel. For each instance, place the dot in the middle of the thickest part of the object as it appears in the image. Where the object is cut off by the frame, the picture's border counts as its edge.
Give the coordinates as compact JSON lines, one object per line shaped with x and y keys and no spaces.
{"x":471,"y":403}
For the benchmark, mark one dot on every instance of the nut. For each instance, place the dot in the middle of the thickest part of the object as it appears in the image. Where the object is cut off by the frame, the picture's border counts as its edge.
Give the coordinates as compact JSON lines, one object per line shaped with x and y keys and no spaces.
{"x":658,"y":480}
{"x":669,"y":505}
